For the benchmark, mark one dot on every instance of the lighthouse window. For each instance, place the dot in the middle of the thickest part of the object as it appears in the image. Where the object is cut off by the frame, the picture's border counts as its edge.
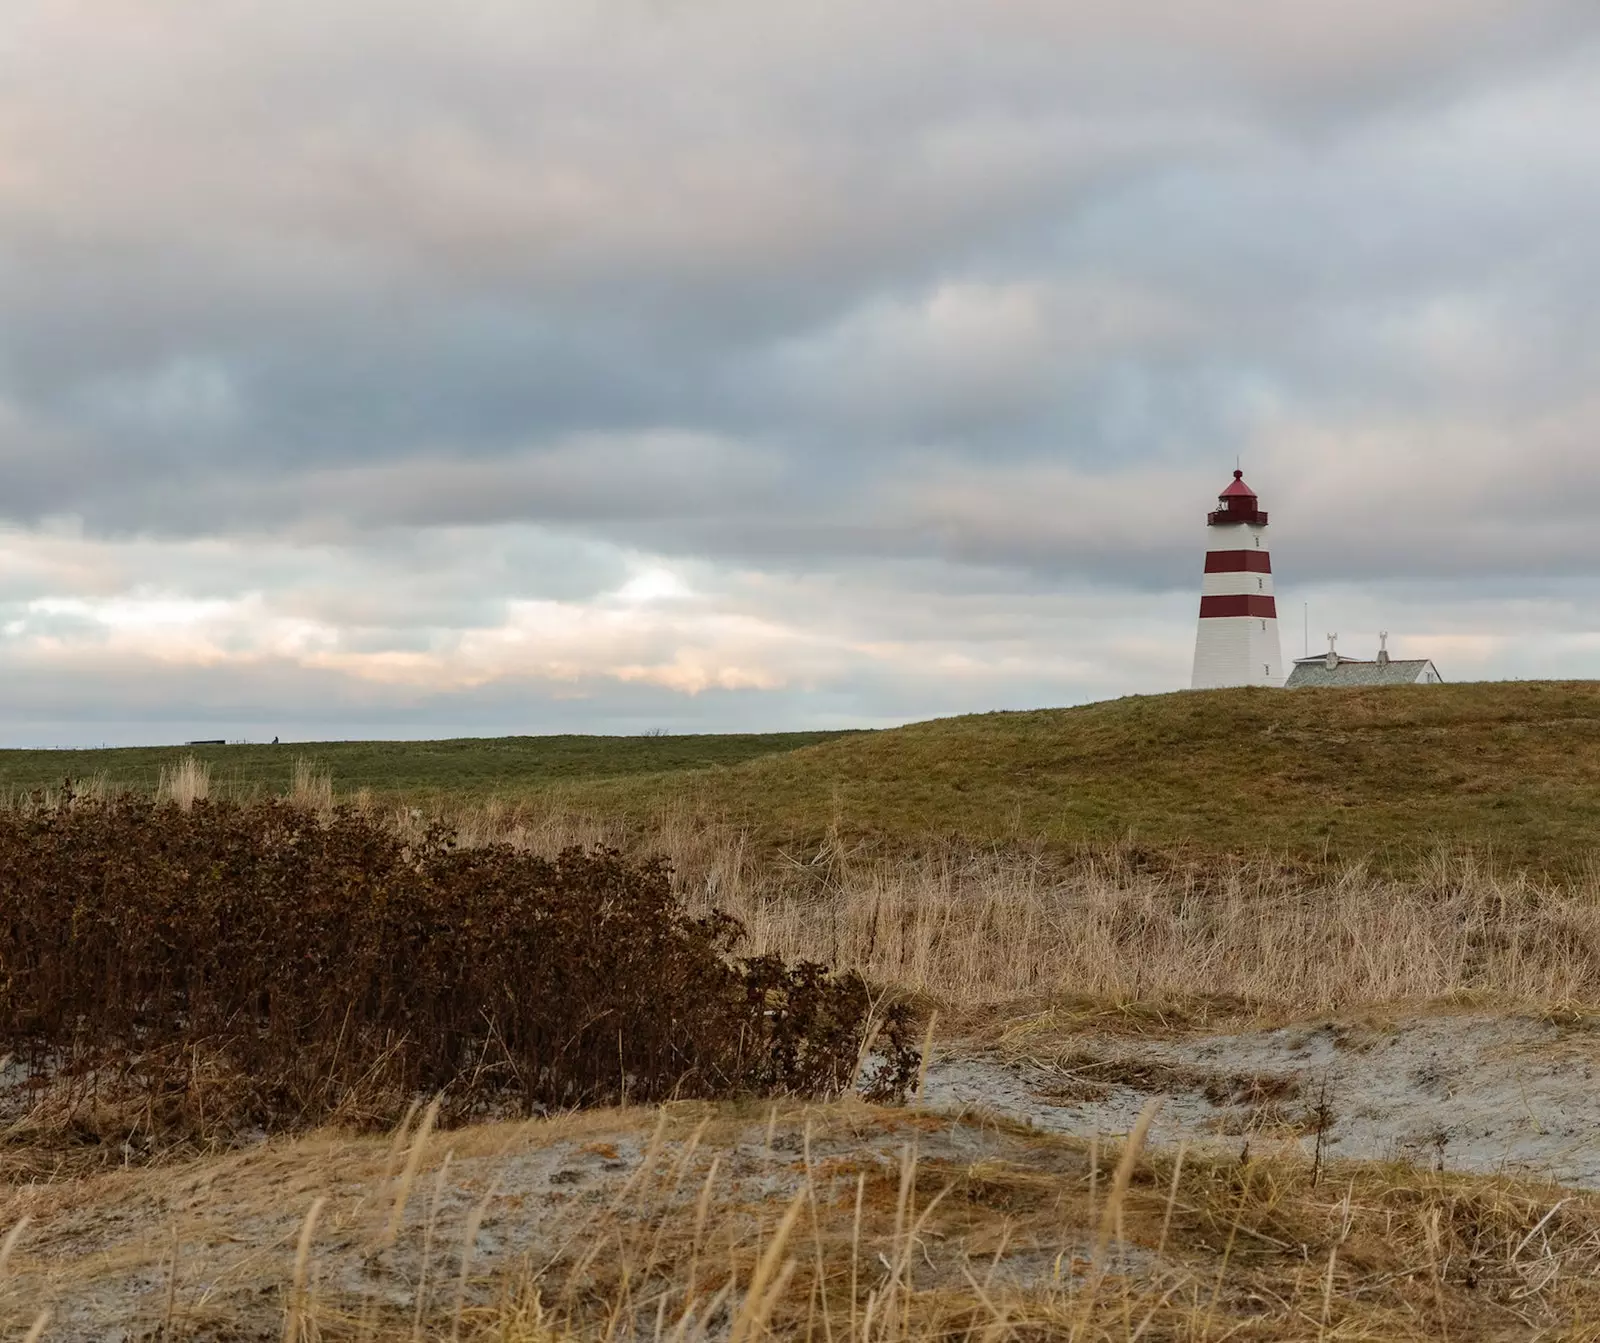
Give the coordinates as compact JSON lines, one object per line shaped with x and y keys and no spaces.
{"x":1261,"y":585}
{"x":1258,"y":543}
{"x":1263,"y":626}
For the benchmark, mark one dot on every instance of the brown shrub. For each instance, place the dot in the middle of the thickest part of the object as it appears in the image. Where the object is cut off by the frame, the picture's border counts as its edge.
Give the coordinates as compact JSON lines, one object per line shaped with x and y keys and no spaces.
{"x":255,"y":964}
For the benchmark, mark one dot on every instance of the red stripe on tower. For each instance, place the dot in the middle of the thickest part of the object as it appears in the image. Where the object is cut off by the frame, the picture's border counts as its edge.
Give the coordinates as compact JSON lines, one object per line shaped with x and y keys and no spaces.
{"x":1237,"y":604}
{"x":1238,"y":562}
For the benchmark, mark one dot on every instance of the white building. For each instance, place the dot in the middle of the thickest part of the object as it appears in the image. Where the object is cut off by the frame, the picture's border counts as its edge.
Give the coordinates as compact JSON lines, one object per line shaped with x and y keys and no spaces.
{"x":1237,"y":643}
{"x":1334,"y":669}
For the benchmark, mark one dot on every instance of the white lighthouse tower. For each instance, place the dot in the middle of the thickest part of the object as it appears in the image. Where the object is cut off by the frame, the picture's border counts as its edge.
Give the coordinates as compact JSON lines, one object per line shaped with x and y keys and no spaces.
{"x":1238,"y":639}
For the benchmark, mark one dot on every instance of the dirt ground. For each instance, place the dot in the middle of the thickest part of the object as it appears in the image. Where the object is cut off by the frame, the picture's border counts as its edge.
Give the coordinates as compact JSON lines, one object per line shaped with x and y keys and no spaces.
{"x":206,"y":1249}
{"x":1469,"y":1092}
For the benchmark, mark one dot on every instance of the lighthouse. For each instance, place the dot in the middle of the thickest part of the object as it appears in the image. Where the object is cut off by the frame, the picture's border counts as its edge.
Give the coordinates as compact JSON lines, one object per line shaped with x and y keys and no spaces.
{"x":1238,"y":639}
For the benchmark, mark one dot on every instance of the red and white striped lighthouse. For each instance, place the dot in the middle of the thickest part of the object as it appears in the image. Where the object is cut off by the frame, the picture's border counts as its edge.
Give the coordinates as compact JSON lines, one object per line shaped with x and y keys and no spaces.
{"x":1238,"y":639}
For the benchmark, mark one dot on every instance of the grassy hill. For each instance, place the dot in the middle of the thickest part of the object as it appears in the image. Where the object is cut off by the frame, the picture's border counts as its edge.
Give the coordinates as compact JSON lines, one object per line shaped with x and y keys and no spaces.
{"x":1508,"y":768}
{"x":467,"y":769}
{"x":1512,"y":769}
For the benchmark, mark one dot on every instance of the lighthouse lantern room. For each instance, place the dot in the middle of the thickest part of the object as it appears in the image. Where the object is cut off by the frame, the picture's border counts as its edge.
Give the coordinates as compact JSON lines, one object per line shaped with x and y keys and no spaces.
{"x":1238,"y":639}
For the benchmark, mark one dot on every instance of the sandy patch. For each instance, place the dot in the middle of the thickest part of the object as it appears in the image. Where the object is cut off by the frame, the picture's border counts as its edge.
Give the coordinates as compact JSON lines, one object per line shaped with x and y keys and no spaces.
{"x":206,"y":1250}
{"x":1478,"y":1093}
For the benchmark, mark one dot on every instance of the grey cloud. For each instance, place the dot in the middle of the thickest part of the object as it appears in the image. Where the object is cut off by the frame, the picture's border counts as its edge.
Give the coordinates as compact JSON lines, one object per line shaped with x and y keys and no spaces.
{"x":412,"y":313}
{"x":992,"y":647}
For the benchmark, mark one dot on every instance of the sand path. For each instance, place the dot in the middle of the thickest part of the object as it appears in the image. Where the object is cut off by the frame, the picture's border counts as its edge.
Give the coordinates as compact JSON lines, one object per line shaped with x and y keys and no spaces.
{"x":1467,"y":1092}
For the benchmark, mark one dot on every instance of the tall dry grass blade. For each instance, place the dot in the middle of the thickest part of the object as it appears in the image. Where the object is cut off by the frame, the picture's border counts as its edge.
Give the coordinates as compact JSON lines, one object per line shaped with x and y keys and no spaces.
{"x":981,"y":1291}
{"x":1333,"y":1258}
{"x":702,"y":1210}
{"x":999,"y":1251}
{"x":1156,"y":1306}
{"x":1094,"y":1191}
{"x":184,"y":784}
{"x":295,"y":1316}
{"x":898,"y":1285}
{"x":686,"y":1156}
{"x":1172,"y":1197}
{"x":821,"y":1285}
{"x":408,"y":1173}
{"x":1327,"y":1293}
{"x":869,"y":1037}
{"x":1222,"y":1266}
{"x":1433,"y":1238}
{"x":712,"y":1307}
{"x":397,"y":1141}
{"x":769,"y":1300}
{"x":902,"y":1201}
{"x":427,"y":1245}
{"x":469,"y":1244}
{"x":855,"y":1256}
{"x":14,"y":1235}
{"x":927,"y":1055}
{"x":311,"y":786}
{"x":679,"y":1170}
{"x":902,"y":1207}
{"x":762,"y":1294}
{"x":36,"y":1330}
{"x":867,"y":1312}
{"x":1131,"y":1151}
{"x":647,"y":1163}
{"x":1521,"y":1244}
{"x":170,"y":1313}
{"x":900,"y":1271}
{"x":681,"y":1329}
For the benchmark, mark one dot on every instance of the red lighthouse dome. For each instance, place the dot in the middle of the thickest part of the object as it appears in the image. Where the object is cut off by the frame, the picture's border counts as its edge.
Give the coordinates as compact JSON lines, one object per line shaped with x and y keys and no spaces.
{"x":1239,"y":504}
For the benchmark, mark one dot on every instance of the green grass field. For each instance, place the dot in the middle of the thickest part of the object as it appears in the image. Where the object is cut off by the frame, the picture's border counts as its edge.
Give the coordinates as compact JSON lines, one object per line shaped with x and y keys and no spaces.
{"x":1509,"y":769}
{"x":465,"y":769}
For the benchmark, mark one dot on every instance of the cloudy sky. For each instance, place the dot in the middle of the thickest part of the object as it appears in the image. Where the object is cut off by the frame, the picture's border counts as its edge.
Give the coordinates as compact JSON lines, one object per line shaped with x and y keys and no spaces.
{"x":404,"y":369}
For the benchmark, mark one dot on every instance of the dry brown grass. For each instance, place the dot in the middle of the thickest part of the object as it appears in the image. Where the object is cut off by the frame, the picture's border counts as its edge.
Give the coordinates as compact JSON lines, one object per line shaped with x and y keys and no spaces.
{"x":1116,"y":928}
{"x":311,"y":786}
{"x":184,"y":784}
{"x":848,"y":1224}
{"x":839,"y":1223}
{"x":1120,"y":929}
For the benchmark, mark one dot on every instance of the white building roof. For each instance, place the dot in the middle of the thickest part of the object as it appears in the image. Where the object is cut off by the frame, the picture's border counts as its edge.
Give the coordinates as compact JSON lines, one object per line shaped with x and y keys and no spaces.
{"x":1315,"y":671}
